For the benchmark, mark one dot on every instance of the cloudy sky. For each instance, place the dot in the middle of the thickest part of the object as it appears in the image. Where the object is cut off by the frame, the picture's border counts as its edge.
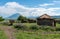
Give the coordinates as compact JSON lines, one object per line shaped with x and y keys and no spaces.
{"x":29,"y":7}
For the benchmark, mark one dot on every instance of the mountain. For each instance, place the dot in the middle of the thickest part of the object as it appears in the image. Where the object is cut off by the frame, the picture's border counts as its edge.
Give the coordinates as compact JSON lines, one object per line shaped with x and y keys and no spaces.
{"x":14,"y":16}
{"x":55,"y":16}
{"x":32,"y":17}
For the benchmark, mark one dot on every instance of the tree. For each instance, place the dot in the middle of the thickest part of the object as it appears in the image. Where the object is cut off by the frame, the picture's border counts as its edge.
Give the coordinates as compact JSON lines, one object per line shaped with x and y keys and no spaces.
{"x":1,"y":19}
{"x":22,"y":18}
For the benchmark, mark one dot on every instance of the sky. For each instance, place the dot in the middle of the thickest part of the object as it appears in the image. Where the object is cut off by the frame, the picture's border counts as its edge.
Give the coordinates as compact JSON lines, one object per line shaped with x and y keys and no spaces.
{"x":29,"y":7}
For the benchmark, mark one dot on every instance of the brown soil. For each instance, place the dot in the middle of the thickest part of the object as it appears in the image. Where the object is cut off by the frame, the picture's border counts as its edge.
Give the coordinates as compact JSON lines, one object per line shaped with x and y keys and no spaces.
{"x":8,"y":31}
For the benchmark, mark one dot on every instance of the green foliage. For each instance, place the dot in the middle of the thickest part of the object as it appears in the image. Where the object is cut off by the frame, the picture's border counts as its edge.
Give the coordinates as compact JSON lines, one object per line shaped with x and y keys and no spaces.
{"x":36,"y":35}
{"x":5,"y":23}
{"x":31,"y":20}
{"x":20,"y":26}
{"x":22,"y":18}
{"x":1,"y":19}
{"x":34,"y":27}
{"x":43,"y":32}
{"x":47,"y":28}
{"x":29,"y":24}
{"x":26,"y":20}
{"x":57,"y":29}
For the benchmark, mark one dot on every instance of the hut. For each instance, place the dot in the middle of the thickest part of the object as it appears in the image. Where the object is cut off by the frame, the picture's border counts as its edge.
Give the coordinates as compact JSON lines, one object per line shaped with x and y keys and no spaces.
{"x":46,"y":20}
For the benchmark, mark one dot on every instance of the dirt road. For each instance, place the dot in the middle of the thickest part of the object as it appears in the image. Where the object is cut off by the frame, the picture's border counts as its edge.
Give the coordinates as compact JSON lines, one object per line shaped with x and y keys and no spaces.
{"x":8,"y":31}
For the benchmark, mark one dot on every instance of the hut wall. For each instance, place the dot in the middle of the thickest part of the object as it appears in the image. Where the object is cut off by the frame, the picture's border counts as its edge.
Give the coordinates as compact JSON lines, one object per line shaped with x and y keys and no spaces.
{"x":45,"y":22}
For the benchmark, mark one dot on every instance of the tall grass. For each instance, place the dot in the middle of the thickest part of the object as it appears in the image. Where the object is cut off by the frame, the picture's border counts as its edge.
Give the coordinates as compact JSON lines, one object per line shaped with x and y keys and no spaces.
{"x":35,"y":35}
{"x":2,"y":35}
{"x":41,"y":32}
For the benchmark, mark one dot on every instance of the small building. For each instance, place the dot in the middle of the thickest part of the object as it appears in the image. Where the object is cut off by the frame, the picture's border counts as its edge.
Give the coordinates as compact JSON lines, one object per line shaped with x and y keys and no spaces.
{"x":46,"y":20}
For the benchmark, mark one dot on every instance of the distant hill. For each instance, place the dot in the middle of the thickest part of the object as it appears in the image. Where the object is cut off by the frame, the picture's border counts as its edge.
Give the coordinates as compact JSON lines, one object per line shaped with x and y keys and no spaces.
{"x":32,"y":17}
{"x":14,"y":16}
{"x":55,"y":17}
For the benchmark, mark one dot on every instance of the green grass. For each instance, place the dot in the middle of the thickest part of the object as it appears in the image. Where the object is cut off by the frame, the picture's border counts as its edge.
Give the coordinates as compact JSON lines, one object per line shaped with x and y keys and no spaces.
{"x":39,"y":34}
{"x":57,"y":25}
{"x":2,"y":35}
{"x":35,"y":35}
{"x":29,"y":24}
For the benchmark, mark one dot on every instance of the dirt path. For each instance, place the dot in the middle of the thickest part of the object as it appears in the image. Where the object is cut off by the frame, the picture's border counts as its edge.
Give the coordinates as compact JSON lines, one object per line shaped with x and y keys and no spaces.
{"x":8,"y":31}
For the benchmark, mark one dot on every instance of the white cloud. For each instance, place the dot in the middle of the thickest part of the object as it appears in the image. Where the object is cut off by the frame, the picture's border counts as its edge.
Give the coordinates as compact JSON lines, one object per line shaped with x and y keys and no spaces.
{"x":14,"y":7}
{"x":56,"y":1}
{"x":46,"y":4}
{"x":10,"y":8}
{"x":53,"y":9}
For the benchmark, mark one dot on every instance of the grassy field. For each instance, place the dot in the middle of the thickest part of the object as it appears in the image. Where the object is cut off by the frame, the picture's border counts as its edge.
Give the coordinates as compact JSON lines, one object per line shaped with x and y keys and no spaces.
{"x":35,"y":35}
{"x":39,"y":34}
{"x":2,"y":35}
{"x":29,"y":24}
{"x":57,"y":25}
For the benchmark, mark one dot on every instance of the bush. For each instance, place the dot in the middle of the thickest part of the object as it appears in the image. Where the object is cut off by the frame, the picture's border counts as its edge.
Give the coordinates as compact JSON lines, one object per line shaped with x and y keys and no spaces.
{"x":5,"y":23}
{"x":11,"y":22}
{"x":17,"y":21}
{"x":1,"y":19}
{"x":34,"y":27}
{"x":47,"y":28}
{"x":20,"y":26}
{"x":57,"y":29}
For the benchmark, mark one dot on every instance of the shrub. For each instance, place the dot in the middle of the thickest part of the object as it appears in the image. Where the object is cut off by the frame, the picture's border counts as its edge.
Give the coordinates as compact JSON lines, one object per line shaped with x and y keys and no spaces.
{"x":1,"y":19}
{"x":47,"y":28}
{"x":17,"y":21}
{"x":11,"y":22}
{"x":57,"y":29}
{"x":34,"y":27}
{"x":20,"y":26}
{"x":5,"y":23}
{"x":31,"y":20}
